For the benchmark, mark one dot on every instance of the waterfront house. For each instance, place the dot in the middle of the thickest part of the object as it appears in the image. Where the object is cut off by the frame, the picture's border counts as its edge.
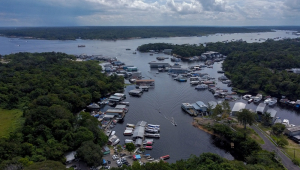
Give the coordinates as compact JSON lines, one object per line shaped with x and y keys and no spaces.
{"x":238,"y":106}
{"x":117,"y":113}
{"x":292,"y":131}
{"x":273,"y":114}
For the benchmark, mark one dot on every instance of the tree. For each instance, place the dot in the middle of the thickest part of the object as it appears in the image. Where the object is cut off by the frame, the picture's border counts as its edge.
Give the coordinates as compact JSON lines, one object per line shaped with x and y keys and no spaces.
{"x":226,"y":107}
{"x":90,"y":153}
{"x":218,"y":110}
{"x":278,"y":128}
{"x":46,"y":165}
{"x":266,"y":118}
{"x":130,"y":147}
{"x":246,"y":117}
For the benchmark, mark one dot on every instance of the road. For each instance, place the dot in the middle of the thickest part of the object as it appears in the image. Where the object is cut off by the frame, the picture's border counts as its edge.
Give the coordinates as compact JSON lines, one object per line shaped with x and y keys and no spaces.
{"x":269,"y":146}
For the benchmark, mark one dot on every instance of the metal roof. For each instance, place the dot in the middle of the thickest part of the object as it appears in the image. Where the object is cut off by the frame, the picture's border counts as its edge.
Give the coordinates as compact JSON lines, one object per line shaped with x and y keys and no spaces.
{"x":238,"y":106}
{"x":272,"y":112}
{"x":120,"y":107}
{"x":196,"y":106}
{"x":201,"y":104}
{"x":138,"y":132}
{"x":294,"y":129}
{"x":261,"y":107}
{"x":114,"y":111}
{"x":213,"y":104}
{"x":141,"y":123}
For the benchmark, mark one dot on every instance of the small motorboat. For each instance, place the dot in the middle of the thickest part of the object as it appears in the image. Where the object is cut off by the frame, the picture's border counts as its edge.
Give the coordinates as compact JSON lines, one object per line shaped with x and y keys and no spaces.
{"x":165,"y":157}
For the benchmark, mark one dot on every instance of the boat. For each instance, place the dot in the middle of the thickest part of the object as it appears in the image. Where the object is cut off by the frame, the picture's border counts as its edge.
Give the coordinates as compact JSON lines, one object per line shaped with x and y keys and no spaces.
{"x":148,"y":147}
{"x":160,"y":58}
{"x":150,"y":130}
{"x":210,"y":66}
{"x":153,"y":126}
{"x":156,"y":135}
{"x":127,"y":133}
{"x":286,"y":122}
{"x":165,"y":157}
{"x":247,"y":96}
{"x":270,"y":101}
{"x":150,"y":159}
{"x":81,"y":45}
{"x":128,"y":49}
{"x":257,"y":98}
{"x":124,"y":103}
{"x":201,"y":86}
{"x":194,"y":82}
{"x":187,"y":107}
{"x":130,"y":125}
{"x":151,"y":54}
{"x":112,"y":133}
{"x":173,"y":122}
{"x":220,"y":71}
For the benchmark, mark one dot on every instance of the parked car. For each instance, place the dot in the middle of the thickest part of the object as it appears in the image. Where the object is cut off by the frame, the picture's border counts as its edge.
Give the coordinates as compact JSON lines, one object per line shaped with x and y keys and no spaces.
{"x":115,"y":157}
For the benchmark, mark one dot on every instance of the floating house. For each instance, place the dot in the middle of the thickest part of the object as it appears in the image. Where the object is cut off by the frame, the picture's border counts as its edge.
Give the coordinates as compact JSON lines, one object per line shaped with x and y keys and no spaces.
{"x":238,"y":106}
{"x":148,"y":83}
{"x":154,"y":64}
{"x":117,"y":113}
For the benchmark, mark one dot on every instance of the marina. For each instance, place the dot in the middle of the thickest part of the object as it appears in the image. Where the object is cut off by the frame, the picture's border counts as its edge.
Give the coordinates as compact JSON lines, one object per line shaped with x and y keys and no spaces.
{"x":164,"y":101}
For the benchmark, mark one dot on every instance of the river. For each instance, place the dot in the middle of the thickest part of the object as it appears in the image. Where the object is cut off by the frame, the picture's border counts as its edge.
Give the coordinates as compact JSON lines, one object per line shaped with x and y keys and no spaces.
{"x":163,"y":102}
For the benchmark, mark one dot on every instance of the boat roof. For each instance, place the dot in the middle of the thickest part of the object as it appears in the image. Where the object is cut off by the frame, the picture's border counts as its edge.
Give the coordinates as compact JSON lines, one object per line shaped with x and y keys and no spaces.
{"x":201,"y":104}
{"x":187,"y":105}
{"x":139,"y":132}
{"x":141,"y":123}
{"x":138,"y":81}
{"x":114,"y":111}
{"x":213,"y":104}
{"x":196,"y":106}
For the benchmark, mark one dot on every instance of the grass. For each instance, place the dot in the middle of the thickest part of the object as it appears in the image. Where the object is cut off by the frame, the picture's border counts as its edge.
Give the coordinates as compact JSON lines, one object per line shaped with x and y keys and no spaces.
{"x":10,"y":121}
{"x":250,"y":132}
{"x":242,"y":91}
{"x":289,"y":149}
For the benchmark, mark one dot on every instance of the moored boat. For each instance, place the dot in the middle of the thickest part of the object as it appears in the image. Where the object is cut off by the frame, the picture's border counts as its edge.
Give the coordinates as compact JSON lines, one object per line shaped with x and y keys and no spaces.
{"x":165,"y":157}
{"x":156,"y":135}
{"x":187,"y":107}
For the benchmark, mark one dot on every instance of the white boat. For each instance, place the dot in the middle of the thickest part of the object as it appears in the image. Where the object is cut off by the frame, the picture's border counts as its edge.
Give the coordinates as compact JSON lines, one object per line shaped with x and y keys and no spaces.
{"x":257,"y":98}
{"x":113,"y":133}
{"x":270,"y":101}
{"x":124,"y":103}
{"x":286,"y":122}
{"x":247,"y":97}
{"x":201,"y":86}
{"x":187,"y":107}
{"x":194,"y":82}
{"x":152,"y":135}
{"x":149,"y":130}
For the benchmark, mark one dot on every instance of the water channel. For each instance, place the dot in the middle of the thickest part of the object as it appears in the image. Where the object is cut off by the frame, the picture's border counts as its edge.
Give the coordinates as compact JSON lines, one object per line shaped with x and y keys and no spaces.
{"x":163,"y":102}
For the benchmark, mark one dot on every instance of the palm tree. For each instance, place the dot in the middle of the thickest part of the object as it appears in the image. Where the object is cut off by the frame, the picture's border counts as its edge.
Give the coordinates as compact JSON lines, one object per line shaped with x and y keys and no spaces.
{"x":246,"y":117}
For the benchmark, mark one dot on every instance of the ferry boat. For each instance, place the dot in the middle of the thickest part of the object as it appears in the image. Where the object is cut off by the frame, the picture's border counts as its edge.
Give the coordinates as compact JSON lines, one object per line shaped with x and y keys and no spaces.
{"x":156,"y":135}
{"x":187,"y":107}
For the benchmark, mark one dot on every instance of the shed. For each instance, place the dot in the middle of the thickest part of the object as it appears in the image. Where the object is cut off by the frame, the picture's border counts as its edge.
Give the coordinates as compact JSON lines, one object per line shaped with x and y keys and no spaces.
{"x":292,"y":131}
{"x":105,"y":150}
{"x":273,"y":114}
{"x":238,"y":106}
{"x":261,"y":108}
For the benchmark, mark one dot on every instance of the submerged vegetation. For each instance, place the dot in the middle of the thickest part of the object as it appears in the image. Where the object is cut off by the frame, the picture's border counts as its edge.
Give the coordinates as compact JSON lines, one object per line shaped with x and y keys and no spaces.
{"x":49,"y":88}
{"x":121,"y":32}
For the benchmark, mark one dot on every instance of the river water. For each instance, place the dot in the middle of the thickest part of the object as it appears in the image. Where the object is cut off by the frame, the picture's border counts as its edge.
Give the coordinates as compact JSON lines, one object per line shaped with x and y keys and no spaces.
{"x":163,"y":102}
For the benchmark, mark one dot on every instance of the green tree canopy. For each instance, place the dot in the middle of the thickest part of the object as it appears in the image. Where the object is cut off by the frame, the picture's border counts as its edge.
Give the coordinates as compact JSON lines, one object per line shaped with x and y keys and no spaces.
{"x":245,"y":117}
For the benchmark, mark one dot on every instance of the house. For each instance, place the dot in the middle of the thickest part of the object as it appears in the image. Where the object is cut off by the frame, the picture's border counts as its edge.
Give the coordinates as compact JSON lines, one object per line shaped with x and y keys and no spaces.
{"x":273,"y":114}
{"x":105,"y":150}
{"x":167,"y":51}
{"x":117,"y":113}
{"x":292,"y":131}
{"x":202,"y":106}
{"x":238,"y":106}
{"x":148,"y":83}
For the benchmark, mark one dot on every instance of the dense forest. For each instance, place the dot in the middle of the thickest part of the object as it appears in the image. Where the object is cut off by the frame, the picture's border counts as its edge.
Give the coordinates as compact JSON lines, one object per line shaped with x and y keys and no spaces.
{"x":121,"y":32}
{"x":50,"y":88}
{"x":254,"y":67}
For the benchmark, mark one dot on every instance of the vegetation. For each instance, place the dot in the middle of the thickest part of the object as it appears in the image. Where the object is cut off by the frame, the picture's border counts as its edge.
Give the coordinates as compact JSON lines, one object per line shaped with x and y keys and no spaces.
{"x":10,"y":121}
{"x":252,"y":67}
{"x":49,"y":88}
{"x":246,"y":117}
{"x":258,"y":160}
{"x":122,"y":32}
{"x":90,"y":153}
{"x":130,"y":147}
{"x":278,"y":128}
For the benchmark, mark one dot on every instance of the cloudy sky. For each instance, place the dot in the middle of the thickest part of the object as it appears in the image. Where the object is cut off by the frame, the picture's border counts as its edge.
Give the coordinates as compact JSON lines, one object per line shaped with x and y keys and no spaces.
{"x":149,"y":12}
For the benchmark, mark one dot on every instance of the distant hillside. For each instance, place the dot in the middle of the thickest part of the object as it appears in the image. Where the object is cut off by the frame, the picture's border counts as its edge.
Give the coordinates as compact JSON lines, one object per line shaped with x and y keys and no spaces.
{"x":114,"y":33}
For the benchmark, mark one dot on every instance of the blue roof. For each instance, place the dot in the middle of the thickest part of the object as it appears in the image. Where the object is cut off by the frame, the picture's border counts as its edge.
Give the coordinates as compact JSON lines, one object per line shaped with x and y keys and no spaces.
{"x":104,"y":162}
{"x":138,"y":156}
{"x":147,"y":154}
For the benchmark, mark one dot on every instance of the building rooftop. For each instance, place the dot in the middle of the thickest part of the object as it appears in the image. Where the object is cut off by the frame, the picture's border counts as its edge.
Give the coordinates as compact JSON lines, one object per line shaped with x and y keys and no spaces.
{"x":272,"y":112}
{"x":261,"y":107}
{"x":238,"y":106}
{"x":294,"y":129}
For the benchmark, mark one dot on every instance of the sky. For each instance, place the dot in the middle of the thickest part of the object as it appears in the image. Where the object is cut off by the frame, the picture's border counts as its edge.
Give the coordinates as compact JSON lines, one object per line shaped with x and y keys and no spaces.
{"x":149,"y":12}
